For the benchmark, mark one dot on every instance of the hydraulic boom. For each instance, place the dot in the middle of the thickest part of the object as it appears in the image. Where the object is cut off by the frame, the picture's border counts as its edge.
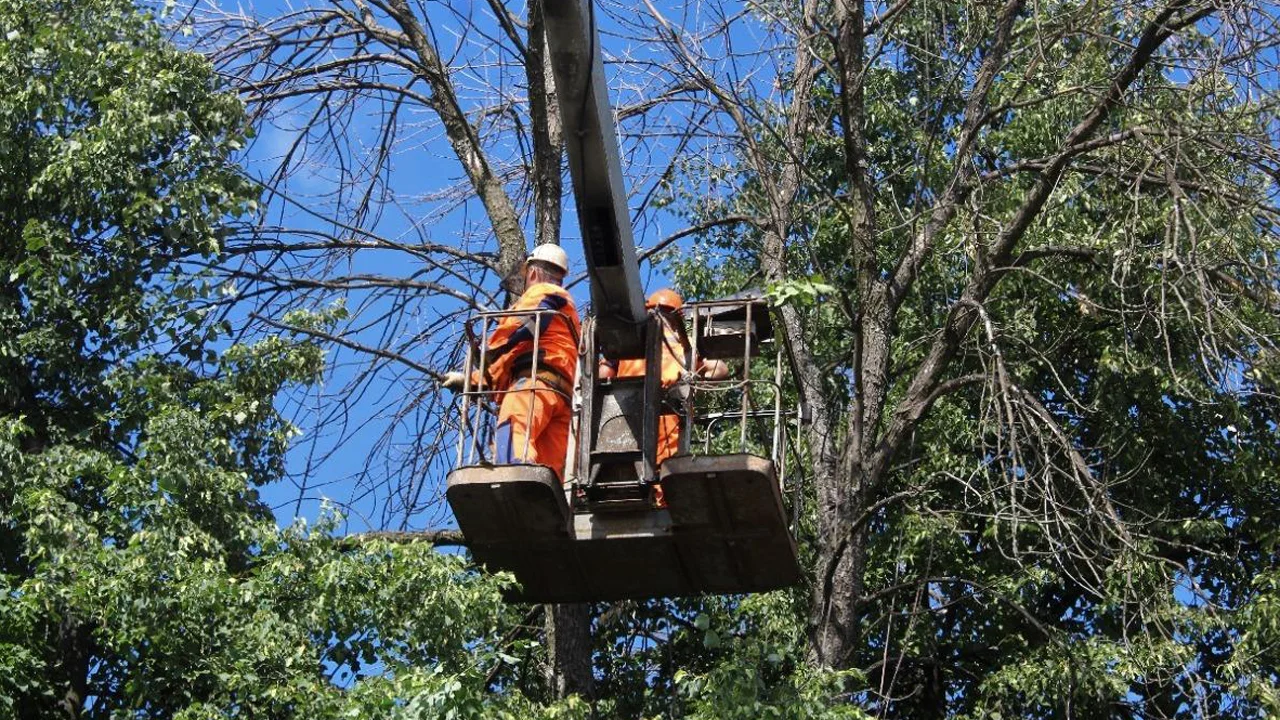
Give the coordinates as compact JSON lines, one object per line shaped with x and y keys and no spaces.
{"x":722,"y":527}
{"x":596,"y":173}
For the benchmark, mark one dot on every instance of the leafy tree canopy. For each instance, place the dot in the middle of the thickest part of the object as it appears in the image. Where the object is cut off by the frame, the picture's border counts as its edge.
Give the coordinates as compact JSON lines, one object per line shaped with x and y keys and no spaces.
{"x":1042,"y":478}
{"x":1081,"y":517}
{"x":142,"y":576}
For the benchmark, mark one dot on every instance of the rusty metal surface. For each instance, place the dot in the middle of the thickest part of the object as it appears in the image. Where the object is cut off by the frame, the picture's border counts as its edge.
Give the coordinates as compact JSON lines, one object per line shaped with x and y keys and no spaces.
{"x":723,"y":532}
{"x":730,"y":328}
{"x":516,"y":518}
{"x":503,"y":503}
{"x":728,"y":346}
{"x":727,"y":514}
{"x":620,"y":414}
{"x":628,"y":555}
{"x":732,"y":494}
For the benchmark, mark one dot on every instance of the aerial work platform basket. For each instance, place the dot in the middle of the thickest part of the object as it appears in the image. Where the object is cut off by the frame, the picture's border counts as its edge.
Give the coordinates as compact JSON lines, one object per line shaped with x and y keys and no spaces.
{"x":723,"y":531}
{"x":724,"y":527}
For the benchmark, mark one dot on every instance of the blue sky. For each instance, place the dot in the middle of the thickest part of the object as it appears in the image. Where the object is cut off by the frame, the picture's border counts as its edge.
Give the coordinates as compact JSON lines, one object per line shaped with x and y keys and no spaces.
{"x":425,"y":165}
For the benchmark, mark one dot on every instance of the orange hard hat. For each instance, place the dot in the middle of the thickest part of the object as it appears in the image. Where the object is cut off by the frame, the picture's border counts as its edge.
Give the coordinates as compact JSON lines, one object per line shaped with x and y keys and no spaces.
{"x":666,"y":298}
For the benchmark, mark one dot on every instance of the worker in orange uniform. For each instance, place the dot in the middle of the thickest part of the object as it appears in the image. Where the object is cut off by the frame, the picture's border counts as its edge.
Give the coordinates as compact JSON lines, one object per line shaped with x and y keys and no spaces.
{"x":668,"y":304}
{"x":535,"y":408}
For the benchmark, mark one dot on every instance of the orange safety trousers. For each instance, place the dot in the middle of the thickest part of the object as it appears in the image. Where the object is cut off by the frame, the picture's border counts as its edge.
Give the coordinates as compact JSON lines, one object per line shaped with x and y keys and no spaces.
{"x":533,"y":426}
{"x":668,"y":445}
{"x":668,"y":437}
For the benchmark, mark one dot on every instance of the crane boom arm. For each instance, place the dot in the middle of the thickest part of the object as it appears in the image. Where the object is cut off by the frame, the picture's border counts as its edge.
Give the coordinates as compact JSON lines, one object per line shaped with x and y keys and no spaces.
{"x":596,"y":173}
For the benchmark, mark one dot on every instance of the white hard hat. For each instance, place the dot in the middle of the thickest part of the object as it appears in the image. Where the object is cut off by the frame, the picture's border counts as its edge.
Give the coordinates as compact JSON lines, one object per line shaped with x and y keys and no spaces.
{"x":553,"y":255}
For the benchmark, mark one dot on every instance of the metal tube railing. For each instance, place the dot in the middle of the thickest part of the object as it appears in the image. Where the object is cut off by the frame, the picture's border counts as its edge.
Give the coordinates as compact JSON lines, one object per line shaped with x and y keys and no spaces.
{"x":703,"y":322}
{"x":476,"y":416}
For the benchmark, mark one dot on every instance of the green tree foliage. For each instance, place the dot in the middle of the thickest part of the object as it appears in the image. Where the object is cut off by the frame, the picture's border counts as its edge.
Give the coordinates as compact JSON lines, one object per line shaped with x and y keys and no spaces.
{"x":1080,"y":516}
{"x":1025,"y":253}
{"x":142,"y":575}
{"x":716,"y":657}
{"x":1048,"y":481}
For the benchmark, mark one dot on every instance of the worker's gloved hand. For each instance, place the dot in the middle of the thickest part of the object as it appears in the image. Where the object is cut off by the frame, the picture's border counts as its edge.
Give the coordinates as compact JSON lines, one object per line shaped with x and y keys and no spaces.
{"x":453,"y":380}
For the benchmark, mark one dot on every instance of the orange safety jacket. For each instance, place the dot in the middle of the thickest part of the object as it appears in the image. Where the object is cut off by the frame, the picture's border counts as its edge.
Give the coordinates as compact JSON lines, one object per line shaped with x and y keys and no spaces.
{"x":510,"y":350}
{"x":668,"y":441}
{"x":672,"y":360}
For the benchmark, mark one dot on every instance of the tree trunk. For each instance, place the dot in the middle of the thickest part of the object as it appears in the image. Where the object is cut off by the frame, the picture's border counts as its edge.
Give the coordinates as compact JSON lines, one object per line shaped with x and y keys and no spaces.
{"x":568,"y":626}
{"x":837,"y":579}
{"x":548,"y":143}
{"x":75,"y":640}
{"x":837,"y":585}
{"x":569,"y":650}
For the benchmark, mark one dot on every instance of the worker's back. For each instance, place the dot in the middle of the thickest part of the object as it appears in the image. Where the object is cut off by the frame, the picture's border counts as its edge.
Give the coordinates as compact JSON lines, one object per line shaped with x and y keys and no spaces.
{"x":557,"y":328}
